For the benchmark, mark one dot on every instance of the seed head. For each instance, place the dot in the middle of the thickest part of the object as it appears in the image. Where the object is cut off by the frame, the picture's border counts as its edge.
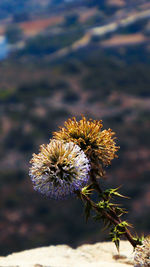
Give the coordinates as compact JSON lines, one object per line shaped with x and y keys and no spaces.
{"x":142,"y":254}
{"x":59,"y":169}
{"x":98,"y":145}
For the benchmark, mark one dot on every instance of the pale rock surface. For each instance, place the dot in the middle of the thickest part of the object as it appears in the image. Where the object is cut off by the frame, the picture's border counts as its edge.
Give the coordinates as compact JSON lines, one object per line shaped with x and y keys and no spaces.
{"x":102,"y":254}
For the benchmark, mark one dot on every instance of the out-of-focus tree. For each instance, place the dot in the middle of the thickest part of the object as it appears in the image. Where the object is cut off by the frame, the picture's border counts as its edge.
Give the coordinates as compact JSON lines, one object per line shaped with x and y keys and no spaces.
{"x":99,"y":3}
{"x":71,"y":20}
{"x":14,"y":34}
{"x":56,"y":2}
{"x":20,"y":17}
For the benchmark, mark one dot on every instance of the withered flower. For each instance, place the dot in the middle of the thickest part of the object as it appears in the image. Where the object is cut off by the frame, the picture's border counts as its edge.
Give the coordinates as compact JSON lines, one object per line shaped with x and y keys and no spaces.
{"x":142,"y":254}
{"x":99,"y":145}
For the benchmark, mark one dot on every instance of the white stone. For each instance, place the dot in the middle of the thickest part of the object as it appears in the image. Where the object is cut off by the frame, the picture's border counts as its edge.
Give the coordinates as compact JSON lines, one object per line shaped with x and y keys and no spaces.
{"x":102,"y":254}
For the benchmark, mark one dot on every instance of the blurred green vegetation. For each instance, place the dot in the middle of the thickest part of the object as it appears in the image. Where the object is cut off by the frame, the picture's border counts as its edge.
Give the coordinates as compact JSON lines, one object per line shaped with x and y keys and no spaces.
{"x":37,"y":95}
{"x":71,"y":20}
{"x":47,"y":44}
{"x":13,"y":34}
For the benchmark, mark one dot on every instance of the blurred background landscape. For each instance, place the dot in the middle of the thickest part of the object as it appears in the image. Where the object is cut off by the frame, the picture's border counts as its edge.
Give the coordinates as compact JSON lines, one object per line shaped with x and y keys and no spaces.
{"x":60,"y":59}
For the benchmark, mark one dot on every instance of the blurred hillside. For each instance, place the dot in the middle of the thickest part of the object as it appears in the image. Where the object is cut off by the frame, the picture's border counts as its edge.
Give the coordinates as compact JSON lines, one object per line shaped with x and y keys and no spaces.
{"x":65,"y":60}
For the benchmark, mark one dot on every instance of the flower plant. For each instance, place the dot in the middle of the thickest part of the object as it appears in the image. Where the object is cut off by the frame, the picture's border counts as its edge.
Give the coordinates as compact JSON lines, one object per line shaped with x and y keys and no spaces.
{"x":72,"y":164}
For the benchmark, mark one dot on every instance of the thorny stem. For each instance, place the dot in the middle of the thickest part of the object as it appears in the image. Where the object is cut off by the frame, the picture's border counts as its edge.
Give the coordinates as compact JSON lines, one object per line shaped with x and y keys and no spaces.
{"x":99,"y":190}
{"x":111,"y":219}
{"x":112,"y":216}
{"x":96,"y":208}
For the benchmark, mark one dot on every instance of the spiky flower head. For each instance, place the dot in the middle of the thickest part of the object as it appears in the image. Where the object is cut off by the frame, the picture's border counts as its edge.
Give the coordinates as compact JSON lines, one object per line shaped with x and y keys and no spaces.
{"x":142,"y":254}
{"x":98,"y":145}
{"x":59,"y":169}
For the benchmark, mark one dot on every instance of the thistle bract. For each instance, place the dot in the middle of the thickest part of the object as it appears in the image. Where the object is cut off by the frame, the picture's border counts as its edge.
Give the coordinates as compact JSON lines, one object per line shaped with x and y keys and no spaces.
{"x":59,"y":169}
{"x":142,"y":254}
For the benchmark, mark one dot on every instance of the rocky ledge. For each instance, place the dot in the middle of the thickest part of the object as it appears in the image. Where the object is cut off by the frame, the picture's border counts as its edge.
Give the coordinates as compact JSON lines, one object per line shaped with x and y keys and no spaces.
{"x":102,"y":254}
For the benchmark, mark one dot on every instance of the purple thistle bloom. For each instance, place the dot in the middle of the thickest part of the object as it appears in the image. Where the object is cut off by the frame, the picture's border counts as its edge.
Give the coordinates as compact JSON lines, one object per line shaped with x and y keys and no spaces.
{"x":59,"y":169}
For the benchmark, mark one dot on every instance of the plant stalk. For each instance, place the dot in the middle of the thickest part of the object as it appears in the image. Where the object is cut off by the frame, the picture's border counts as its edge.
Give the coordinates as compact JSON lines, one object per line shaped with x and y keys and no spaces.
{"x":111,"y":219}
{"x":111,"y":216}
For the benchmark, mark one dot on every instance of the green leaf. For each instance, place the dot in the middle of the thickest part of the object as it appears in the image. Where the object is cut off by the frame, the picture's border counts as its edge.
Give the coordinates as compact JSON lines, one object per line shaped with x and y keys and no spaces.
{"x":117,"y":231}
{"x":117,"y":243}
{"x":113,"y":192}
{"x":87,"y":210}
{"x":120,"y":211}
{"x":101,"y":204}
{"x":124,"y":224}
{"x":97,"y":217}
{"x":139,"y":240}
{"x":86,"y":190}
{"x":107,"y":224}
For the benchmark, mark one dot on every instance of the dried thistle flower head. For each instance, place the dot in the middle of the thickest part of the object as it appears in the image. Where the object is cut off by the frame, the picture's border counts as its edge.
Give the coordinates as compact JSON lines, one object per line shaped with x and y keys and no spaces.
{"x":142,"y":254}
{"x":59,"y":169}
{"x":98,"y":145}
